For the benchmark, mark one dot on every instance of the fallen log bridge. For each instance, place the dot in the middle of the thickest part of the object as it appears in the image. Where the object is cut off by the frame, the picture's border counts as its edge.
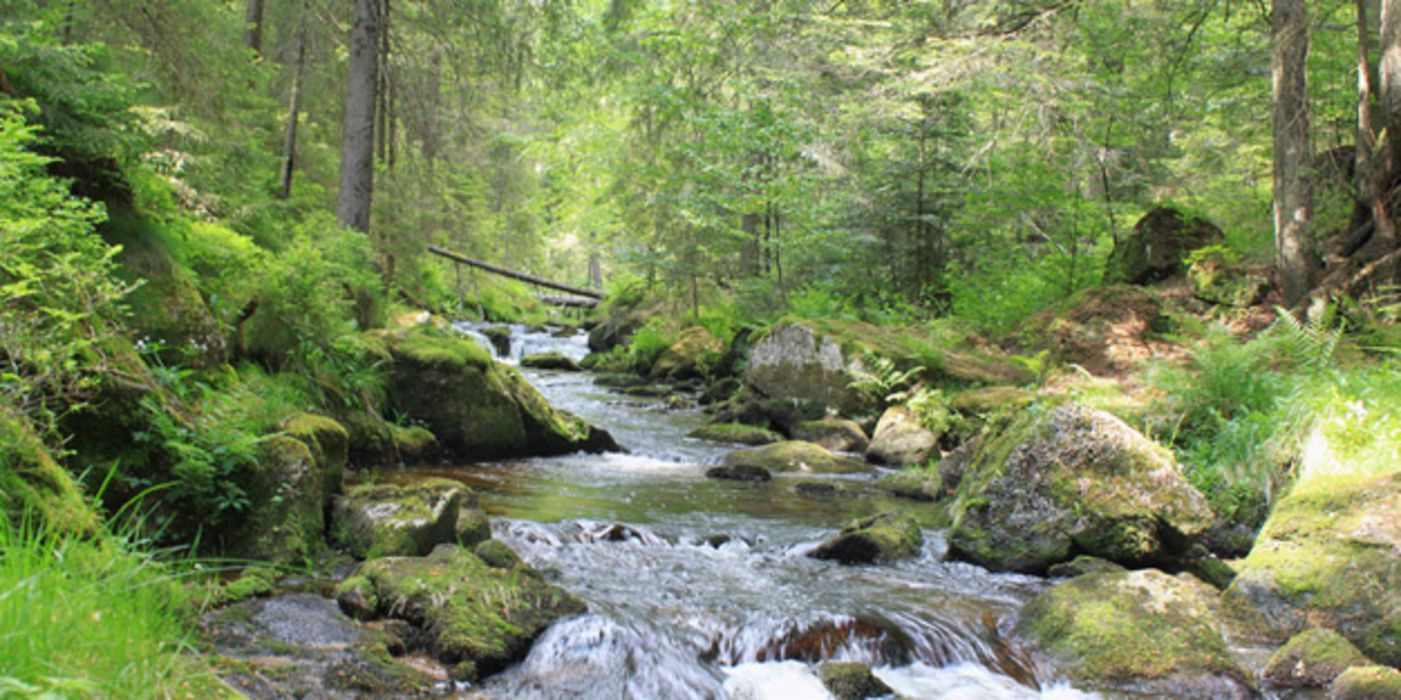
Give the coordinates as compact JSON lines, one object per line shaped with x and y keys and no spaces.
{"x":565,"y":301}
{"x":591,"y":294}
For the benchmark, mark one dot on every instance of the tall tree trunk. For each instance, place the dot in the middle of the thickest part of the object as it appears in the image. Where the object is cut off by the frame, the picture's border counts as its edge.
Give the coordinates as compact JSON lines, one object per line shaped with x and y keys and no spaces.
{"x":1375,"y":170}
{"x":294,"y":111}
{"x":357,"y":174}
{"x":253,"y":26}
{"x":430,"y":143}
{"x":1293,"y":198}
{"x":749,"y":253}
{"x":1384,"y":169}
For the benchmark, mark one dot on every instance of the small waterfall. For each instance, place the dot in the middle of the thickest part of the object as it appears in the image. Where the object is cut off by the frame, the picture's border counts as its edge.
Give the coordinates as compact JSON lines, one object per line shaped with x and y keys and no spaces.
{"x":526,"y":341}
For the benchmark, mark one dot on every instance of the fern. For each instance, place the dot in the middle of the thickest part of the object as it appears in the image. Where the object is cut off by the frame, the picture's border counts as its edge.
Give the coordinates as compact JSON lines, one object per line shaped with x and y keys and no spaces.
{"x":879,"y":377}
{"x":1311,"y":344}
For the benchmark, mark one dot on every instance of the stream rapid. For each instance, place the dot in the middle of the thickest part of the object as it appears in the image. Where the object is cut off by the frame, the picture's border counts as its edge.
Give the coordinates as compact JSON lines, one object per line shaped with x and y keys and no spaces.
{"x":700,"y":588}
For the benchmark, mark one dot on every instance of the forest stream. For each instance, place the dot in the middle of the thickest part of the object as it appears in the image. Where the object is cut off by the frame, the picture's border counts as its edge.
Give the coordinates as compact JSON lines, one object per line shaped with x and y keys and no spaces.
{"x":701,"y":588}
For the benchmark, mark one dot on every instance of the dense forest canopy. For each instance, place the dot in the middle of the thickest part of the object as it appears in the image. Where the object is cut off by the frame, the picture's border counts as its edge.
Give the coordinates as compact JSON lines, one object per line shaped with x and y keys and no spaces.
{"x":980,"y":158}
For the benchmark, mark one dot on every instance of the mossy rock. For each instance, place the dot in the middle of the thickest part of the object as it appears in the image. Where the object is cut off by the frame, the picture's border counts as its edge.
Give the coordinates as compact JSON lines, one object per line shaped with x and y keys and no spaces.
{"x":989,"y":400}
{"x":498,"y":556}
{"x":33,"y":485}
{"x":739,"y":472}
{"x":836,"y":434}
{"x":478,"y":408}
{"x":1225,"y":283}
{"x":1156,"y":248}
{"x":1049,"y":484}
{"x":500,"y":337}
{"x":688,"y":357}
{"x":737,"y":433}
{"x":328,"y":442}
{"x":1081,"y":565}
{"x":1330,"y":554}
{"x":1367,"y":683}
{"x":879,"y":539}
{"x":415,"y":444}
{"x":794,"y":361}
{"x":377,"y":520}
{"x":913,"y":484}
{"x":901,"y":440}
{"x":847,"y":680}
{"x":794,"y":456}
{"x":289,"y":493}
{"x":166,"y":308}
{"x":475,"y":616}
{"x":1143,"y":631}
{"x":1312,"y":659}
{"x":550,"y":360}
{"x":251,"y":582}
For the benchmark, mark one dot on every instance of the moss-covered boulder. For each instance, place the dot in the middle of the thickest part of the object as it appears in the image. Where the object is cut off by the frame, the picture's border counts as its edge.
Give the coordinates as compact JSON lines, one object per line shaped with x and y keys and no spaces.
{"x":739,"y":472}
{"x":794,"y":456}
{"x":328,"y":442}
{"x":989,"y":400}
{"x":794,"y":361}
{"x":1081,"y":565}
{"x":689,"y":357}
{"x":1156,"y":248}
{"x":33,"y":484}
{"x":1218,"y":280}
{"x":1052,"y":483}
{"x":382,"y":520}
{"x":1367,"y":683}
{"x":914,"y":484}
{"x":1330,"y":554}
{"x":901,"y":440}
{"x":847,"y":680}
{"x":478,"y":617}
{"x":737,"y":433}
{"x":414,"y":444}
{"x":550,"y":360}
{"x":1312,"y":659}
{"x":1141,"y":630}
{"x":836,"y":434}
{"x":295,"y":480}
{"x":878,"y":539}
{"x":500,"y":339}
{"x":479,"y":408}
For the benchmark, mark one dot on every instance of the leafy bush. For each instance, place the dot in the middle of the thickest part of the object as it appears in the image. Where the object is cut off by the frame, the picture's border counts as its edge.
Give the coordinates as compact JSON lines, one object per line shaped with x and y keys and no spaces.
{"x":647,"y":344}
{"x":59,"y":299}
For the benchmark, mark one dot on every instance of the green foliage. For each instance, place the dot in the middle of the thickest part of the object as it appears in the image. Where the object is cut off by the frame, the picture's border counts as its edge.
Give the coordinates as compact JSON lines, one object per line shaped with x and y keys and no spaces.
{"x":880,"y":378}
{"x":59,"y":299}
{"x":648,"y":343}
{"x":91,"y":618}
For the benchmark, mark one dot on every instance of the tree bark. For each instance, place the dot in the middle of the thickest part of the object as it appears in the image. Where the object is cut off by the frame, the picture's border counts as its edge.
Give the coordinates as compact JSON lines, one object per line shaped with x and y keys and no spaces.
{"x":1293,"y":196}
{"x":253,"y":26}
{"x":430,"y":118}
{"x":294,"y":111}
{"x":357,"y":170}
{"x":1384,"y":164}
{"x":1375,"y":169}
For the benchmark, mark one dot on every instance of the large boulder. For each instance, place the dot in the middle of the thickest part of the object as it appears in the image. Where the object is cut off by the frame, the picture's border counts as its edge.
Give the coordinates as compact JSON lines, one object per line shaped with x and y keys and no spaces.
{"x":1156,"y":248}
{"x":379,"y":520}
{"x":879,"y":539}
{"x":794,"y":456}
{"x":1330,"y":554}
{"x":1144,"y":631}
{"x":1367,"y":683}
{"x":793,"y":361}
{"x":297,"y":474}
{"x":479,"y":617}
{"x":477,"y":407}
{"x":1312,"y":659}
{"x":1050,"y":484}
{"x":836,"y":434}
{"x":689,"y":356}
{"x":901,"y":440}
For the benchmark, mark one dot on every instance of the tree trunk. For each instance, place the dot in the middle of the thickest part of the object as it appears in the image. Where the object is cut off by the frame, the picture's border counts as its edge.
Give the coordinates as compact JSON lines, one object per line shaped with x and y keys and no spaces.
{"x":357,"y":175}
{"x":294,"y":110}
{"x":1293,"y":198}
{"x":1374,"y":169}
{"x":1384,"y":164}
{"x":253,"y":26}
{"x":430,"y":118}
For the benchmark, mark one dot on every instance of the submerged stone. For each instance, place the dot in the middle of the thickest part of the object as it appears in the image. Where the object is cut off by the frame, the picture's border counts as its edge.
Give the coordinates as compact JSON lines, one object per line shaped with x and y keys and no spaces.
{"x":739,"y":472}
{"x":847,"y":680}
{"x":550,"y":360}
{"x":1367,"y":683}
{"x":794,"y":456}
{"x":836,"y":434}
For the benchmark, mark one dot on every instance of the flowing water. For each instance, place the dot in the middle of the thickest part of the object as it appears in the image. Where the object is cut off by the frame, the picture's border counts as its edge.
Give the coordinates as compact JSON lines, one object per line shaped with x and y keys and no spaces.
{"x":701,"y":589}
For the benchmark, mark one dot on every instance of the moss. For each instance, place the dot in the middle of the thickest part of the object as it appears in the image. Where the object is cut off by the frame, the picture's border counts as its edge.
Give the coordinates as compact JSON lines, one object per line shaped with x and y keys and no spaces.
{"x":415,"y":444}
{"x":328,"y":442}
{"x":914,"y":484}
{"x":794,"y":456}
{"x":32,"y":484}
{"x":737,"y":433}
{"x":1329,"y":555}
{"x":989,"y":400}
{"x":1367,"y":683}
{"x":550,"y":360}
{"x":879,"y":539}
{"x":253,"y":581}
{"x":1312,"y":659}
{"x":1083,"y":564}
{"x":288,"y":492}
{"x":687,"y":357}
{"x":838,"y":434}
{"x":438,"y":350}
{"x":478,"y":617}
{"x":497,"y":555}
{"x":1139,"y":627}
{"x":374,"y":520}
{"x":851,"y":681}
